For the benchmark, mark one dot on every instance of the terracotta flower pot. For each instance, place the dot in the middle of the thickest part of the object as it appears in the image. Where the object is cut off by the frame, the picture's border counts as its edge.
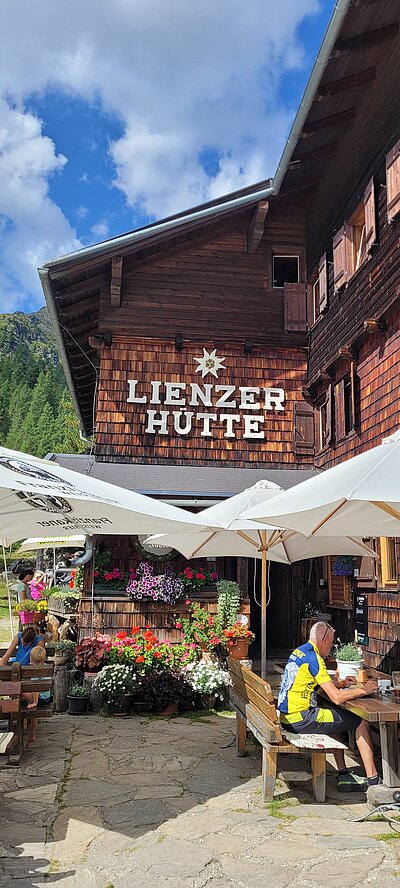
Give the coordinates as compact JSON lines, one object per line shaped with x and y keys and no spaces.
{"x":239,"y":649}
{"x":171,"y":709}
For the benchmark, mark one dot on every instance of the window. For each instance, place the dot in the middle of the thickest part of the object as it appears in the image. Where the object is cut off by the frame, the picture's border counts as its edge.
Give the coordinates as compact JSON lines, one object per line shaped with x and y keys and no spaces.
{"x":353,"y":243}
{"x":285,"y":270}
{"x":358,"y":238}
{"x":324,"y":421}
{"x":393,"y":181}
{"x":345,"y":405}
{"x":388,"y":561}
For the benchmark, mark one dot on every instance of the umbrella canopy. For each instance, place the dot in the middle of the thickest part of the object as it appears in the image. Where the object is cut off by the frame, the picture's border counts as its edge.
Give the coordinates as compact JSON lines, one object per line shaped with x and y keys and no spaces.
{"x":231,"y":533}
{"x":76,"y":541}
{"x":360,"y":497}
{"x":39,"y":497}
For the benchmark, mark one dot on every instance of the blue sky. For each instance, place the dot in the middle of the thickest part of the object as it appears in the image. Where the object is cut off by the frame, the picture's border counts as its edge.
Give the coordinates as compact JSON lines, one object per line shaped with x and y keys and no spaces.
{"x":118,"y":112}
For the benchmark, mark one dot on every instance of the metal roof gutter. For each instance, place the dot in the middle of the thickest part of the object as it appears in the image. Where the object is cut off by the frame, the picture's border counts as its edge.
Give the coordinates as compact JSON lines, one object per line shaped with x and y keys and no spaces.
{"x":331,"y":34}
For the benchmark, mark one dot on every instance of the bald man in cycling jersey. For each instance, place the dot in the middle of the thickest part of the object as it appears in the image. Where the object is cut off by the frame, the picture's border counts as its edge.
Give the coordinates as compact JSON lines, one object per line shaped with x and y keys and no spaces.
{"x":300,"y":713}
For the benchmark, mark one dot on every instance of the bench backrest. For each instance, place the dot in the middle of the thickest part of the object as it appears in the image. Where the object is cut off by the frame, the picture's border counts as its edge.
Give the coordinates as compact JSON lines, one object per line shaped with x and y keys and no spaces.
{"x":255,"y":690}
{"x":32,"y":678}
{"x":12,"y":691}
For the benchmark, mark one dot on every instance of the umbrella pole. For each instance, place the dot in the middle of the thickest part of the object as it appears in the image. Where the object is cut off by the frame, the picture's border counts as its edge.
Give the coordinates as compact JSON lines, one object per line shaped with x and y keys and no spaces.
{"x":54,"y":565}
{"x":8,"y":593}
{"x":263,"y":548}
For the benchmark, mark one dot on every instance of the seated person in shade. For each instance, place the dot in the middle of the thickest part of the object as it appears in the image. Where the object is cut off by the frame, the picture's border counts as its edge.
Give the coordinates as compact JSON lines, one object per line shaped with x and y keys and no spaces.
{"x":21,"y":646}
{"x":34,"y":699}
{"x":300,"y":713}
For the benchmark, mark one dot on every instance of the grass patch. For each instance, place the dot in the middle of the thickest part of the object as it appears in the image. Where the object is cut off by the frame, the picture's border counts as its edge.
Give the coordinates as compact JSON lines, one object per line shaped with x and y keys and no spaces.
{"x":388,"y":837}
{"x":276,"y":809}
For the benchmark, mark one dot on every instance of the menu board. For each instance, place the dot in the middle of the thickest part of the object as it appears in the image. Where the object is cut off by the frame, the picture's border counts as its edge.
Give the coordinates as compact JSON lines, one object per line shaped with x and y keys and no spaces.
{"x":361,"y":617}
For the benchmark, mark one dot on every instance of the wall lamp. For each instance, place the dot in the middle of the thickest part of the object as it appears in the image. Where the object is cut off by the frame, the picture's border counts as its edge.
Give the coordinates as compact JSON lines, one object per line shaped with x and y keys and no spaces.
{"x":179,"y":343}
{"x":248,"y":346}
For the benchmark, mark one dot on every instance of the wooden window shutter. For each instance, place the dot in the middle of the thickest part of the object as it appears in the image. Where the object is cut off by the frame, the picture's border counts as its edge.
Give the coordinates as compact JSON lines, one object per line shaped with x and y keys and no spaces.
{"x":366,"y":571}
{"x":295,"y":307}
{"x":329,"y":417}
{"x":303,"y":429}
{"x":354,"y":393}
{"x":323,"y":282}
{"x":340,"y":428}
{"x":393,"y":181}
{"x":341,"y":256}
{"x":370,"y":215}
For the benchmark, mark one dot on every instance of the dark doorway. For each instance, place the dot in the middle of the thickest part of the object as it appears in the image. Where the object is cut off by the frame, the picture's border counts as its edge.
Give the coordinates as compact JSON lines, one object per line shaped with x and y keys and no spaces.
{"x":281,"y":631}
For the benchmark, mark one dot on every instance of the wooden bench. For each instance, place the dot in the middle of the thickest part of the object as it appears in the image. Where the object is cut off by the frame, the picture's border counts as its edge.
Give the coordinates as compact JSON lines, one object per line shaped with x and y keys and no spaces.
{"x":253,"y":702}
{"x":32,"y":680}
{"x":10,"y":704}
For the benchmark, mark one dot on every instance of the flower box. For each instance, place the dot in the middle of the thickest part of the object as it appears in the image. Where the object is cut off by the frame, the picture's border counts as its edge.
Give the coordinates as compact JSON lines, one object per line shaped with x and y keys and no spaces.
{"x":30,"y":617}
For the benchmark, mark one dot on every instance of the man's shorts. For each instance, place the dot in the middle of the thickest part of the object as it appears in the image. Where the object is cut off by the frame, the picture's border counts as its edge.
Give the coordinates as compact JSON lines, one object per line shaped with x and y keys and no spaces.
{"x":323,"y":721}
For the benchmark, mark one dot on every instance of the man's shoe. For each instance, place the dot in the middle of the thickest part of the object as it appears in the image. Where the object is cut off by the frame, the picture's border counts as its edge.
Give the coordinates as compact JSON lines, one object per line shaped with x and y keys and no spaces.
{"x":351,"y":783}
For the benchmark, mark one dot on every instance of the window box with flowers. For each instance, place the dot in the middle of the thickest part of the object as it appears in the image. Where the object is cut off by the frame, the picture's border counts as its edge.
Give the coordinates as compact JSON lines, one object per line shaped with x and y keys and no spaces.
{"x":145,"y":585}
{"x":199,"y":583}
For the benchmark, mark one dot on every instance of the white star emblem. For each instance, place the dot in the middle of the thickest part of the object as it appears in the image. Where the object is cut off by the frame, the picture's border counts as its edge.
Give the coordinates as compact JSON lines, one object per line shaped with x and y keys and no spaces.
{"x":209,"y":363}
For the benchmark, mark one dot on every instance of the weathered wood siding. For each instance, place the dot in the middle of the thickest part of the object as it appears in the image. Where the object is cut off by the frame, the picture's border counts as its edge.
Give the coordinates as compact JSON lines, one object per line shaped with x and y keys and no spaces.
{"x":211,"y":283}
{"x":121,"y":425}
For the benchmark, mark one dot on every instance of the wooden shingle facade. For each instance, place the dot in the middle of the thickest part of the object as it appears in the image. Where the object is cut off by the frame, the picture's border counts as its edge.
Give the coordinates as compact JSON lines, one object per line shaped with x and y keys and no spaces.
{"x":293,"y":283}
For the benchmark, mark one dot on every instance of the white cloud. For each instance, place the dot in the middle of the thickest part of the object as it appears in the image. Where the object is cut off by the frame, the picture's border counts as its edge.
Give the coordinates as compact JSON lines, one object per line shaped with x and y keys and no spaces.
{"x":33,"y":225}
{"x":181,"y":76}
{"x":100,"y":230}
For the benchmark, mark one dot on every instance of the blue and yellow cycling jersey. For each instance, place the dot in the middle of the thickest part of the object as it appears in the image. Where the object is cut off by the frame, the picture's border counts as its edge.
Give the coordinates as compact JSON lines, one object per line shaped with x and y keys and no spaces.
{"x":304,"y":671}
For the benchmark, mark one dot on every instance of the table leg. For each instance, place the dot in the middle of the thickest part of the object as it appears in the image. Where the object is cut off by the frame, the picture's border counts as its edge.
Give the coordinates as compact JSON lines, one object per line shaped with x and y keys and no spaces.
{"x":390,"y":753}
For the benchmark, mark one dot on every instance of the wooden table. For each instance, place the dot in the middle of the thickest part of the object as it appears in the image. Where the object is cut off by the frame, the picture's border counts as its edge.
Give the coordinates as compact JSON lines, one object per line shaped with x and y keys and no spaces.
{"x":384,"y":712}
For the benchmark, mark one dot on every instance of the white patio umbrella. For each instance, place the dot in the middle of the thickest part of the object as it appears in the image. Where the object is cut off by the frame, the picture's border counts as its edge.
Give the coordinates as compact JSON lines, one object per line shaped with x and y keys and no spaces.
{"x":37,"y":496}
{"x":231,"y":534}
{"x":360,"y":497}
{"x":76,"y":541}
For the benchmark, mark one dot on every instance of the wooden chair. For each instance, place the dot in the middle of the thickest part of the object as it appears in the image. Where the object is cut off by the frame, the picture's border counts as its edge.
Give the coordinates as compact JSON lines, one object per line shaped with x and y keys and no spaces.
{"x":253,"y":702}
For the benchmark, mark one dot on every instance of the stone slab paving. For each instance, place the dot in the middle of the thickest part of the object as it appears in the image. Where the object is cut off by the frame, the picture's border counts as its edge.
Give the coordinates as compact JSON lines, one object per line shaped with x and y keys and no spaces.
{"x":115,"y":803}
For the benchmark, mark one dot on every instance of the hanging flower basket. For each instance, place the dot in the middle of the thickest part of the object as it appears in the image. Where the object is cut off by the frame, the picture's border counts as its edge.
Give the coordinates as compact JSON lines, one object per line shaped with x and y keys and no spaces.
{"x":343,"y":566}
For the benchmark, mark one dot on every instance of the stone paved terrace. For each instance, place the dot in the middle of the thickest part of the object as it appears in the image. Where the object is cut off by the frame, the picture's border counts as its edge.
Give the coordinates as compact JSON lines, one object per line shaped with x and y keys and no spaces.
{"x":115,"y":803}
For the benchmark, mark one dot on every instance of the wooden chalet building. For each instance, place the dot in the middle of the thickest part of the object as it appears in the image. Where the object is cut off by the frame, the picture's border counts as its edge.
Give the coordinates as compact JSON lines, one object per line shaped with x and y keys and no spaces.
{"x":258,"y":335}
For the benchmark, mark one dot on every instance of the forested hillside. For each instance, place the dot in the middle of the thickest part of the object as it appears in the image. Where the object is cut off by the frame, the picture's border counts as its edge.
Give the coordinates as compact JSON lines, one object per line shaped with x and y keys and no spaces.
{"x":36,"y":411}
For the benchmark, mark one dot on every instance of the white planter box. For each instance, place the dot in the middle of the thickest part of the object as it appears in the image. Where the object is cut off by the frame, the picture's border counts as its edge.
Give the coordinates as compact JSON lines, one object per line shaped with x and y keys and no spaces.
{"x":349,"y":667}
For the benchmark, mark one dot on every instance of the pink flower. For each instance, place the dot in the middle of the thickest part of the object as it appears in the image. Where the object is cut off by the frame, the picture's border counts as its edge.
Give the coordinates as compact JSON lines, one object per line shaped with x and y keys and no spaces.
{"x":187,"y":601}
{"x":214,"y":576}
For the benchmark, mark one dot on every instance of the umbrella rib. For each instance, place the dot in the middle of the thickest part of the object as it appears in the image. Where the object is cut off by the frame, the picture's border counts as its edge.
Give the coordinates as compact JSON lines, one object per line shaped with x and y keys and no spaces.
{"x":363,"y":546}
{"x":248,"y":539}
{"x":385,"y":508}
{"x":204,"y":543}
{"x":327,"y":517}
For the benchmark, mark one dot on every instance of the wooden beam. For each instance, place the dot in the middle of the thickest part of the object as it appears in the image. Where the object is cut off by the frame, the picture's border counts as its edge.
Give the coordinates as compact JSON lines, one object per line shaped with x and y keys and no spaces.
{"x":368,"y":38}
{"x":86,"y":286}
{"x":347,"y":351}
{"x":375,"y":326}
{"x":116,"y":280}
{"x":352,"y":81}
{"x":256,"y":227}
{"x":325,"y":122}
{"x":322,"y":151}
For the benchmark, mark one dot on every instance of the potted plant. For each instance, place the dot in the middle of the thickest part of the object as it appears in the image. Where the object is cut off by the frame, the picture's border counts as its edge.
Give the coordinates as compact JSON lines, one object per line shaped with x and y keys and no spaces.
{"x":31,"y":611}
{"x":64,"y":652}
{"x":117,"y":685}
{"x":200,"y":629}
{"x":145,"y":585}
{"x":228,"y":602}
{"x":78,"y":699}
{"x":349,"y":660}
{"x":91,"y":652}
{"x":198,"y":582}
{"x":63,"y":599}
{"x":209,"y":680}
{"x":237,"y":639}
{"x":162,"y":691}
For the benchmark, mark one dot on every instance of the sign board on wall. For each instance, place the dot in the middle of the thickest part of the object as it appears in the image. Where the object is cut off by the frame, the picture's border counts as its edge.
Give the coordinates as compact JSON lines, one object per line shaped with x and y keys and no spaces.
{"x":361,"y":617}
{"x":201,"y":403}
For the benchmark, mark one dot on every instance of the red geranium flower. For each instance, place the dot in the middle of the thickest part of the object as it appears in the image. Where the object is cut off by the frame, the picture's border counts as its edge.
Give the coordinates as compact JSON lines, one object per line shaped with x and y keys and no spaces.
{"x":200,"y":576}
{"x":140,"y":659}
{"x":157,"y":654}
{"x":122,"y":635}
{"x":135,"y":629}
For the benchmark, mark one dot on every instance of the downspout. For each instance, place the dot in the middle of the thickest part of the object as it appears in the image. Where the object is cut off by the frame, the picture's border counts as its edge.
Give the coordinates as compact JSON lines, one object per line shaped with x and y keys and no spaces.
{"x":333,"y":29}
